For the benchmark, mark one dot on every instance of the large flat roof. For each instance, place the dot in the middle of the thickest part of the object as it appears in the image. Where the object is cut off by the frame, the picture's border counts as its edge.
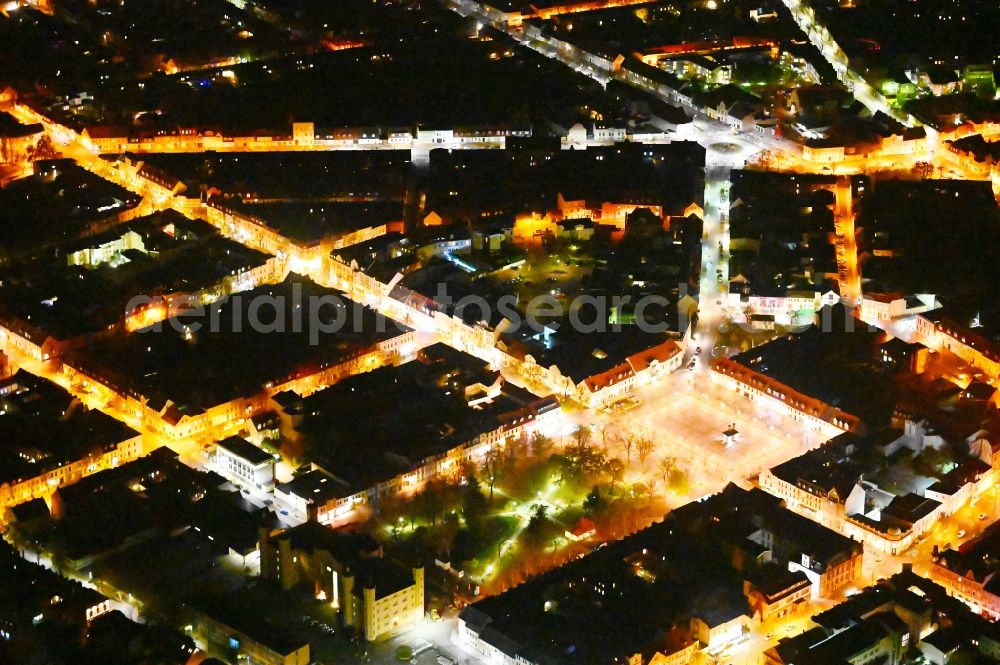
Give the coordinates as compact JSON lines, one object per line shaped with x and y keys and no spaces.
{"x":242,"y":448}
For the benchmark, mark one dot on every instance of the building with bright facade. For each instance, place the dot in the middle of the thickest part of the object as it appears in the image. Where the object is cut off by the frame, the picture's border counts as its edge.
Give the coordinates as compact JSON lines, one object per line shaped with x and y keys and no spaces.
{"x":238,"y":458}
{"x":682,"y":589}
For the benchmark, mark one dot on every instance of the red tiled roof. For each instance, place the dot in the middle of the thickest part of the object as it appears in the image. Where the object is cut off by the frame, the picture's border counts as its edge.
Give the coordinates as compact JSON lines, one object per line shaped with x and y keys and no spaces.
{"x":883,"y":297}
{"x":661,"y":353}
{"x":773,"y":388}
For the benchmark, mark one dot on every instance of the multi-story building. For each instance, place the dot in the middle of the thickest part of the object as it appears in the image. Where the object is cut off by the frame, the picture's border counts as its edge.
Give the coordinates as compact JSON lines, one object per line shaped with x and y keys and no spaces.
{"x":54,"y":442}
{"x":303,"y":136}
{"x":386,"y":599}
{"x":712,"y":570}
{"x":676,"y":648}
{"x":969,"y":573}
{"x":319,"y":495}
{"x":828,"y":486}
{"x":228,"y":628}
{"x":378,"y":465}
{"x":17,"y":140}
{"x":108,"y":249}
{"x":346,"y":570}
{"x":824,"y":418}
{"x":878,"y":640}
{"x":887,"y":623}
{"x":940,"y":332}
{"x":31,"y":595}
{"x":240,"y":459}
{"x":778,"y":596}
{"x":828,"y":560}
{"x":886,"y":307}
{"x":787,"y":307}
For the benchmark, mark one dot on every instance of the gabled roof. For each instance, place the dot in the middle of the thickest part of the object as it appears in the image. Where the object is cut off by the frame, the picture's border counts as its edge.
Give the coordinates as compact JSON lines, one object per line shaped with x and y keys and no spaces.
{"x":661,"y":354}
{"x":106,"y":132}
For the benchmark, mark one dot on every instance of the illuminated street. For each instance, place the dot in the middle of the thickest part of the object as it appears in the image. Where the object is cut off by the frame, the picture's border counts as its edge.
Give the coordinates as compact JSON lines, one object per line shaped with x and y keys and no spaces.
{"x":247,"y":414}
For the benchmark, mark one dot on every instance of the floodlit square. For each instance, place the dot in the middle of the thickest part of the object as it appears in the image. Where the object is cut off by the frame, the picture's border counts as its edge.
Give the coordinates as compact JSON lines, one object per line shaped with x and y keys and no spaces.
{"x":481,"y":332}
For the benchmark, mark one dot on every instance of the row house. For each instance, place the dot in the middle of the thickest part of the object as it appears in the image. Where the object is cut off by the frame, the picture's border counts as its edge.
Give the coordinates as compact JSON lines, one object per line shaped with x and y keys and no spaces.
{"x":148,"y":311}
{"x":329,"y":500}
{"x":980,"y":594}
{"x":17,"y":141}
{"x":249,"y":642}
{"x":786,"y":308}
{"x":757,"y":387}
{"x":778,"y":598}
{"x":359,"y":236}
{"x":250,"y":231}
{"x":939,"y":332}
{"x":824,"y":152}
{"x":831,"y":492}
{"x":969,"y":573}
{"x":638,"y":369}
{"x":493,"y":646}
{"x":676,"y":648}
{"x":304,"y":136}
{"x":41,"y":486}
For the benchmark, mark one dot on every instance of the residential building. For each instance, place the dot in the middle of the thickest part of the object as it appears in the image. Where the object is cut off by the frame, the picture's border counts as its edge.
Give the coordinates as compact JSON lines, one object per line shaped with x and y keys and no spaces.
{"x":969,"y":572}
{"x":886,"y":623}
{"x":676,"y":648}
{"x":31,"y":595}
{"x":778,"y":596}
{"x":319,"y":495}
{"x":17,"y":140}
{"x":824,"y":418}
{"x":791,"y":306}
{"x":828,"y":485}
{"x":54,"y":440}
{"x":871,"y":641}
{"x":939,"y":331}
{"x":710,"y":572}
{"x":423,"y":438}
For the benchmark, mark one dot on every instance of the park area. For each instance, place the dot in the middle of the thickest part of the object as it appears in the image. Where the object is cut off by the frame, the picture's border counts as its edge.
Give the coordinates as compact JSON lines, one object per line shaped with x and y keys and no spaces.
{"x":532,"y":505}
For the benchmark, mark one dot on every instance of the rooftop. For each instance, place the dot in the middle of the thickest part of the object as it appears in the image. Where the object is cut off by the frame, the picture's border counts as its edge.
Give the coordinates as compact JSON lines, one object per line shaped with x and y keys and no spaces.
{"x":316,"y":486}
{"x":242,"y":448}
{"x":581,"y":355}
{"x":160,"y":365}
{"x":241,"y":610}
{"x":615,"y":601}
{"x":34,"y":215}
{"x":830,"y":365}
{"x":413,"y":411}
{"x":346,"y":546}
{"x":87,"y":285}
{"x":44,"y":427}
{"x":28,"y":590}
{"x":386,"y":577}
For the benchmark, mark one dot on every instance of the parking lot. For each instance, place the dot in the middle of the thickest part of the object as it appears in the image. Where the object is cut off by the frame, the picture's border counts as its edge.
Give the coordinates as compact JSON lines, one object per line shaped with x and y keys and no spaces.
{"x":433,"y":643}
